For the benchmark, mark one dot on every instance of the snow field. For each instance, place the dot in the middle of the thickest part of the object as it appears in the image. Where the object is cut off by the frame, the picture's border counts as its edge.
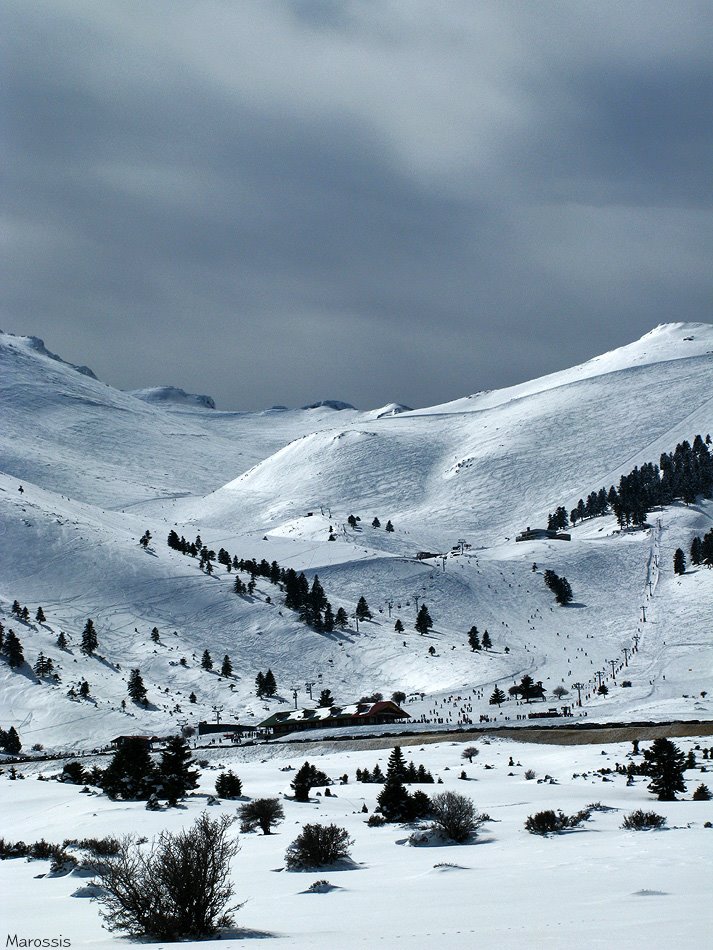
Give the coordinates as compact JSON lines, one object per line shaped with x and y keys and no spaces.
{"x":596,"y":886}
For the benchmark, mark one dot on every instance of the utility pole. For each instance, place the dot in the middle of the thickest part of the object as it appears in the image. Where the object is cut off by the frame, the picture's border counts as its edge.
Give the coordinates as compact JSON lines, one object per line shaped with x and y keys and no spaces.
{"x":579,"y":687}
{"x":626,"y":651}
{"x":599,"y":675}
{"x":356,"y":620}
{"x":636,"y":640}
{"x":390,"y":604}
{"x":443,"y":562}
{"x":643,"y":613}
{"x":613,"y":665}
{"x":416,"y":597}
{"x":308,"y":687}
{"x":461,"y":544}
{"x":217,"y":710}
{"x":294,"y":695}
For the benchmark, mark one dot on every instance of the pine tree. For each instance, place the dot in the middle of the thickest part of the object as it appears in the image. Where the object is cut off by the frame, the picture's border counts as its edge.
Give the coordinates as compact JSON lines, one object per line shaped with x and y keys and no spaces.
{"x":192,"y":698}
{"x":61,"y":640}
{"x":696,"y":551}
{"x":397,"y":763}
{"x":239,"y":585}
{"x":376,"y":523}
{"x":206,"y":661}
{"x":306,"y":778}
{"x":665,"y":763}
{"x":270,"y":683}
{"x":16,"y":609}
{"x":362,"y":609}
{"x":328,"y":620}
{"x":175,"y":775}
{"x":44,"y":666}
{"x":487,"y":642}
{"x":326,"y":699}
{"x":497,"y":697}
{"x":473,"y":639}
{"x":136,"y":687}
{"x":398,"y":626}
{"x":12,"y":649}
{"x":25,"y":614}
{"x":155,"y":635}
{"x":84,"y":689}
{"x":394,"y":800}
{"x":40,"y":615}
{"x":11,"y":741}
{"x":130,"y":774}
{"x":389,"y":526}
{"x":227,"y":667}
{"x":341,"y":620}
{"x":228,"y":785}
{"x":679,"y":562}
{"x":423,"y":620}
{"x":260,"y":685}
{"x":90,"y":641}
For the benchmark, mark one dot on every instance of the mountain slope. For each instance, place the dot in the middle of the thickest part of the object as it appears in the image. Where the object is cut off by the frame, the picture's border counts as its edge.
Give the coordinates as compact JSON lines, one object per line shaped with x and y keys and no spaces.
{"x":98,"y":467}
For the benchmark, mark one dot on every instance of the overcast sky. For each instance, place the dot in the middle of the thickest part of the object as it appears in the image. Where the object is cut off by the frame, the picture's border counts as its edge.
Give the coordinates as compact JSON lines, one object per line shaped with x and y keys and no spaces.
{"x":279,"y":201}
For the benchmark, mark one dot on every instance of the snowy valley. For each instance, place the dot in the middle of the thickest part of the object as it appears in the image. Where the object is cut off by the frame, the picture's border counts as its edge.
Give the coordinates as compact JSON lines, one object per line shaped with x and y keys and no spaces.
{"x":88,"y":471}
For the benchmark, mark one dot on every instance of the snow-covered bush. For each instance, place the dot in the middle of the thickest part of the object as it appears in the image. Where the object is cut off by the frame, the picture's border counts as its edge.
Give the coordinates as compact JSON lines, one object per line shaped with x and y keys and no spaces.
{"x":551,"y":822}
{"x":640,"y":820}
{"x":318,"y":846}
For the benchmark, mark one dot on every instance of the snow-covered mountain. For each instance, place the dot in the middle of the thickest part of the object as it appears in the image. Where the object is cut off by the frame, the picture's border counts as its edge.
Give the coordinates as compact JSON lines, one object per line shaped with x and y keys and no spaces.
{"x":98,"y":467}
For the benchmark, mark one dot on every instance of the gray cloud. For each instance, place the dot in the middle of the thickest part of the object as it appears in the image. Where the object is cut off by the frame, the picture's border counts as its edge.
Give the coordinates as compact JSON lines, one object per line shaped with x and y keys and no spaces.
{"x":285,"y":201}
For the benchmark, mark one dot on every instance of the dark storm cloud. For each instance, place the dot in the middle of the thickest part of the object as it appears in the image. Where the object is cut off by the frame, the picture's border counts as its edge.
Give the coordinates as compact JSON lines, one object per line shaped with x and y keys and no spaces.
{"x":278,"y":202}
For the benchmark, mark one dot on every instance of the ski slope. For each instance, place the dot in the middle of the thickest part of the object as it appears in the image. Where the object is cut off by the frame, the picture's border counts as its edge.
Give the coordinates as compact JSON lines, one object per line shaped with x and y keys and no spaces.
{"x":98,"y":467}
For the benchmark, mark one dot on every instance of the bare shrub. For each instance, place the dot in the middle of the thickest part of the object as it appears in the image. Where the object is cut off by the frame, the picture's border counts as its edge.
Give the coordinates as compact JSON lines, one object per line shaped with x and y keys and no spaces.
{"x":470,"y":752}
{"x":178,"y":888}
{"x":318,"y":846}
{"x":640,"y":820}
{"x":455,"y":816}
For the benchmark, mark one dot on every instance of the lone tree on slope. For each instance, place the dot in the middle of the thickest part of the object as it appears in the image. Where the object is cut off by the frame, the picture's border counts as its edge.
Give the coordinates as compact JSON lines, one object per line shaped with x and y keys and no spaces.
{"x":136,"y":687}
{"x":665,"y":763}
{"x":90,"y":640}
{"x":679,"y":562}
{"x":423,"y":620}
{"x":362,"y":609}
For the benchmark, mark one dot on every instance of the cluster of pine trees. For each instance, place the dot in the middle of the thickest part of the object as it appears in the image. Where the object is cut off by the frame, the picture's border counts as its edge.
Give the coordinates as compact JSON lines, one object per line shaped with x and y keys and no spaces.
{"x":307,"y":777}
{"x":702,"y":549}
{"x":528,"y":689}
{"x":310,"y":601}
{"x":409,"y":773}
{"x":560,"y":587}
{"x":132,"y":775}
{"x":395,"y":802}
{"x":22,"y":613}
{"x":684,"y":473}
{"x":265,"y":684}
{"x":10,"y":741}
{"x":11,"y":648}
{"x":476,"y":643}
